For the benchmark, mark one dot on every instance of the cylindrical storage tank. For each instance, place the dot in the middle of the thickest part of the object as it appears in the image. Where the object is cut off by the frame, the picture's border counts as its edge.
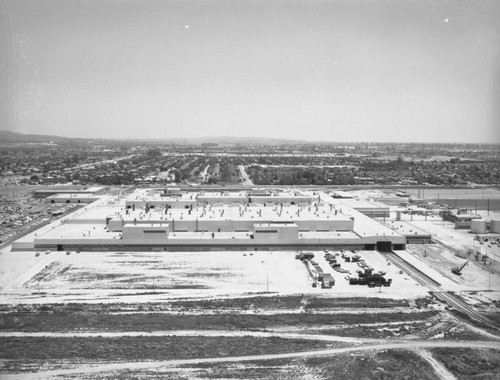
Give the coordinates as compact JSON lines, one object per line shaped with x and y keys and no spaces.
{"x":495,"y":224}
{"x":398,"y":215}
{"x":478,"y":226}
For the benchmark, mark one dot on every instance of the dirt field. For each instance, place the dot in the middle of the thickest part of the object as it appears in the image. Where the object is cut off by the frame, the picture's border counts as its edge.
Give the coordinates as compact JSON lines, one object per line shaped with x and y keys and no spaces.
{"x":57,"y":319}
{"x":159,"y":276}
{"x":470,"y":364}
{"x":380,"y":365}
{"x":388,"y":364}
{"x":148,"y":348}
{"x":61,"y":340}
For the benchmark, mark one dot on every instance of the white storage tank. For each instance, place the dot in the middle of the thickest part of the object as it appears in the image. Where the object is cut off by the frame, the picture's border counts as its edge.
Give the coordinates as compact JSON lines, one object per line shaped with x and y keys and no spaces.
{"x":478,"y":226}
{"x":495,"y":224}
{"x":398,"y":215}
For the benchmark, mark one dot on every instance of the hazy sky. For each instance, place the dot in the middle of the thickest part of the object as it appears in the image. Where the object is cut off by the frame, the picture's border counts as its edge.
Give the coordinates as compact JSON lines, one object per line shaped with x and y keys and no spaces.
{"x":334,"y":70}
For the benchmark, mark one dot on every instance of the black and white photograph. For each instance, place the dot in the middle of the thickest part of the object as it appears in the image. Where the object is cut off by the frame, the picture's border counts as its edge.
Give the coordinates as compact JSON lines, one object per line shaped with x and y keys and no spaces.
{"x":250,"y":189}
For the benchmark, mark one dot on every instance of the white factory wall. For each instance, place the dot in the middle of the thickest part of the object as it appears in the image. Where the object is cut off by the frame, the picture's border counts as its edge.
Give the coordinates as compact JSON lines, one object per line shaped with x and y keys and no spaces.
{"x":276,"y":233}
{"x":287,"y":237}
{"x":70,"y":199}
{"x":225,"y":200}
{"x":145,"y":233}
{"x":215,"y":225}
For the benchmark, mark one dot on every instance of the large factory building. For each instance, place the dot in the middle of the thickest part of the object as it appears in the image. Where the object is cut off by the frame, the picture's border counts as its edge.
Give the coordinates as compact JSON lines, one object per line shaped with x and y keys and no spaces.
{"x":167,"y":220}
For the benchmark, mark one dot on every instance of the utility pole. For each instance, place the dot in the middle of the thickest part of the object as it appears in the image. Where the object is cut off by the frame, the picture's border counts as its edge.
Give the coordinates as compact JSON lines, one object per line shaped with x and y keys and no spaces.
{"x":267,"y":284}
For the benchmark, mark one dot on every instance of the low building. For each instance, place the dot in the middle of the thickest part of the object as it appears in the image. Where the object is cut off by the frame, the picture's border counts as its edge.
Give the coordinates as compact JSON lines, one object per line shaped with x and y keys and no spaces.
{"x":44,"y":193}
{"x":72,"y":198}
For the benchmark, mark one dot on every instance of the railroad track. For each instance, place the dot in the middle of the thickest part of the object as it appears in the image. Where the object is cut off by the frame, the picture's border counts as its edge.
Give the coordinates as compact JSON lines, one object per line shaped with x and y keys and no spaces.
{"x":444,"y":296}
{"x":420,"y":277}
{"x":493,"y":269}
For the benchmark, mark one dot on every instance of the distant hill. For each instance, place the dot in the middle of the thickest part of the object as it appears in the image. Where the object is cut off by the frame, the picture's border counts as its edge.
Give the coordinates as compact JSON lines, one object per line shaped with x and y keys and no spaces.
{"x":231,"y":140}
{"x":15,"y":137}
{"x":22,"y":138}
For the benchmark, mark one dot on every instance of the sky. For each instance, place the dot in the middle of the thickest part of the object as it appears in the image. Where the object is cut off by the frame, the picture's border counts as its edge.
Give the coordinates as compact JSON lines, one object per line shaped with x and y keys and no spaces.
{"x":319,"y":70}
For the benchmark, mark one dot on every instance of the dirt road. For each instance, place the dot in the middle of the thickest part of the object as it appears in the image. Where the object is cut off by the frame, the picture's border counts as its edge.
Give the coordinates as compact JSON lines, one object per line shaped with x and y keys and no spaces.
{"x":201,"y":333}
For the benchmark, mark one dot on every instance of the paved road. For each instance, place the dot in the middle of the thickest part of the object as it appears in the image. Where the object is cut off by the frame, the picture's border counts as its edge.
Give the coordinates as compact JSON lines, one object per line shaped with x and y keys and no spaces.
{"x":246,"y":179}
{"x":204,"y":174}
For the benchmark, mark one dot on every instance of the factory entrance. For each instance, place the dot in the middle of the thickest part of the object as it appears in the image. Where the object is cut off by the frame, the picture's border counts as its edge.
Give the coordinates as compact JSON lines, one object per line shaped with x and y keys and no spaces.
{"x":384,"y":246}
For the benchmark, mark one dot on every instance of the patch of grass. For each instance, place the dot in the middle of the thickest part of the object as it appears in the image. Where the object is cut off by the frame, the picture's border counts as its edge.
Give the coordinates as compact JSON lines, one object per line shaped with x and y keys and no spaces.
{"x":467,"y":364}
{"x":244,"y":303}
{"x":330,"y":303}
{"x":386,"y":365}
{"x":378,"y":332}
{"x":292,"y":302}
{"x":467,"y":318}
{"x":275,"y":302}
{"x":494,"y":317}
{"x":423,"y":302}
{"x":52,"y":320}
{"x":149,"y":348}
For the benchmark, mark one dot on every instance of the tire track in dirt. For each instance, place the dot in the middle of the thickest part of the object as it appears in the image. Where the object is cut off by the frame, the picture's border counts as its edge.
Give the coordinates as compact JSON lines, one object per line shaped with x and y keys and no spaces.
{"x":26,"y":276}
{"x":438,"y":367}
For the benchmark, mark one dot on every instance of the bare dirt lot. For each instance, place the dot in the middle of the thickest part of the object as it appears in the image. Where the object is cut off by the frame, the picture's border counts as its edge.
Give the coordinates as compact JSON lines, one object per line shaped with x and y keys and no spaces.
{"x":148,"y":276}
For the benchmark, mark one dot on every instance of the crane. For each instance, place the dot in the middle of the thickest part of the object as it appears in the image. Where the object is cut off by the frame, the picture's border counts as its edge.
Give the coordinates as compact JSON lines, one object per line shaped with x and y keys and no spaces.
{"x":458,"y":270}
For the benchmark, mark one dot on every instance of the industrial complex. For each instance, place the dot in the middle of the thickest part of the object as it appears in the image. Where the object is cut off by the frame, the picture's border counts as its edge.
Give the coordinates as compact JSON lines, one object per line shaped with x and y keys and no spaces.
{"x":135,"y":269}
{"x":175,"y":220}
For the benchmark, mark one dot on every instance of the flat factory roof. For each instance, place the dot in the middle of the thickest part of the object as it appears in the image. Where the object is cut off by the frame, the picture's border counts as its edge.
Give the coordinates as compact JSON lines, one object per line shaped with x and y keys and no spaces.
{"x":225,"y":212}
{"x":79,"y":231}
